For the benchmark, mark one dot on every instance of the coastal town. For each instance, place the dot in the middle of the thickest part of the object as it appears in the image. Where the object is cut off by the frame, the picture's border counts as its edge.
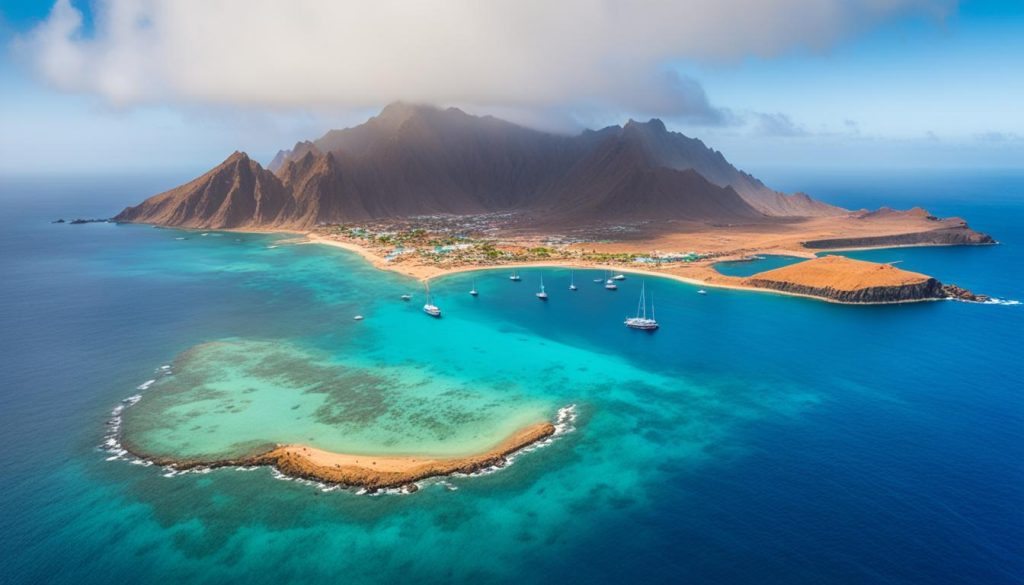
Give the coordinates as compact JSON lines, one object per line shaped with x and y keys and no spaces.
{"x":450,"y":242}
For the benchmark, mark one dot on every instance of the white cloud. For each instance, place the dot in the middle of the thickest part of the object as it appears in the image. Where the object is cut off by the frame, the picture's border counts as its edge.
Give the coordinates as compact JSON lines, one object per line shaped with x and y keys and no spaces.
{"x":527,"y":55}
{"x":777,"y":124}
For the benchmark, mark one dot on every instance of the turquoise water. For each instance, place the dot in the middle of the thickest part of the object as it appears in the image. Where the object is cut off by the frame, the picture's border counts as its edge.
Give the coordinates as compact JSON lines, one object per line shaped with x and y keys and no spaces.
{"x":755,"y":438}
{"x":755,"y":265}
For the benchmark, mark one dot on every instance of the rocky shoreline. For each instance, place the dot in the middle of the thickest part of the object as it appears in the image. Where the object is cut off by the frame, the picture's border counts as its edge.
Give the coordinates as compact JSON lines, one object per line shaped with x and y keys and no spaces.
{"x":303,"y":462}
{"x":845,"y":280}
{"x":949,"y":236}
{"x":928,"y":290}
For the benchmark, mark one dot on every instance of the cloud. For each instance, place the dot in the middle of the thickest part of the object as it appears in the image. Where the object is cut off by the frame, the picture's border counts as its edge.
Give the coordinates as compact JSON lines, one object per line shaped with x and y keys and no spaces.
{"x":528,"y":55}
{"x":995,"y":137}
{"x":777,"y":124}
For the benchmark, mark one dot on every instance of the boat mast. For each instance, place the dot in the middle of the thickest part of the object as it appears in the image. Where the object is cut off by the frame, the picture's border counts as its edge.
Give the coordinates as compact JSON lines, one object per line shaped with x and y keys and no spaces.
{"x":641,"y":306}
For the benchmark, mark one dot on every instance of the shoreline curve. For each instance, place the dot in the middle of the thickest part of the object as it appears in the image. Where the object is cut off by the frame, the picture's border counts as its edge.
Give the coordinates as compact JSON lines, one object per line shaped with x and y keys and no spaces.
{"x":369,"y":472}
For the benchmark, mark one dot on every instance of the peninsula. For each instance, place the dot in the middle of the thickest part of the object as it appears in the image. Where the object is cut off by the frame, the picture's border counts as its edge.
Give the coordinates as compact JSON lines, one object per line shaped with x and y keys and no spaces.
{"x":428,"y":191}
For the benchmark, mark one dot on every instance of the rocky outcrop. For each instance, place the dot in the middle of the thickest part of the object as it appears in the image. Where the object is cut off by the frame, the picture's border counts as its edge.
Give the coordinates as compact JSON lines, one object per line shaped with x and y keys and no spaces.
{"x":957,"y":235}
{"x":929,"y":289}
{"x":845,"y":280}
{"x":953,"y":291}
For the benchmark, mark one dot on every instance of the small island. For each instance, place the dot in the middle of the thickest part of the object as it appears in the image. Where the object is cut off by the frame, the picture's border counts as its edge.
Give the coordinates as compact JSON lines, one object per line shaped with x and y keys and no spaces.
{"x":312,"y":415}
{"x":845,"y":280}
{"x":374,"y":472}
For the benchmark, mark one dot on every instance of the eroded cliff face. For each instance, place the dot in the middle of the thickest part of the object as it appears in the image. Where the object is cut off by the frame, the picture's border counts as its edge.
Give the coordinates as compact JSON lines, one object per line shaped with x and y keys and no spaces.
{"x":845,"y":280}
{"x":929,"y":289}
{"x":952,"y":236}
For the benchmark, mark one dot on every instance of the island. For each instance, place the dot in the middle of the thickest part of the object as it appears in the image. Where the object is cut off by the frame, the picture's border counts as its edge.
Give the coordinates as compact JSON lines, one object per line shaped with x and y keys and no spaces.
{"x":372,"y":472}
{"x":427,"y":191}
{"x":311,"y":414}
{"x":845,"y":280}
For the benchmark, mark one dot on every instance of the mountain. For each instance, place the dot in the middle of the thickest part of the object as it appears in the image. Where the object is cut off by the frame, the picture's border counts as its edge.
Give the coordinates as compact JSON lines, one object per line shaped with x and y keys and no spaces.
{"x":419,"y":160}
{"x":236,"y":193}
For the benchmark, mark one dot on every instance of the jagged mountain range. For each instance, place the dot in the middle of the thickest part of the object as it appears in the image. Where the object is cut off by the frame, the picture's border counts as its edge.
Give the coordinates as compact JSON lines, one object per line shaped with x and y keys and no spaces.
{"x":419,"y":160}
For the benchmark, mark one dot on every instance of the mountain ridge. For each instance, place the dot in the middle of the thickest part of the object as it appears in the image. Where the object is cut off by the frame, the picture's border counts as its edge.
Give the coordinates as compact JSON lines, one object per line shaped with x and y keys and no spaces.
{"x":420,"y":160}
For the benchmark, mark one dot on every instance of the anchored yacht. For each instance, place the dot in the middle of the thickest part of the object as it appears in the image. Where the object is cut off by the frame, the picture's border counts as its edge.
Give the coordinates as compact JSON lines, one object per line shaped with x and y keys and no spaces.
{"x":641,"y":321}
{"x":430,"y":308}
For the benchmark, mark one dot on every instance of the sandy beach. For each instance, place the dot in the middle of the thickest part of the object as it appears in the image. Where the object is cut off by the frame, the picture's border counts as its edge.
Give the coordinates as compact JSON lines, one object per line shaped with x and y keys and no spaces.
{"x":372,"y":472}
{"x":700,"y":273}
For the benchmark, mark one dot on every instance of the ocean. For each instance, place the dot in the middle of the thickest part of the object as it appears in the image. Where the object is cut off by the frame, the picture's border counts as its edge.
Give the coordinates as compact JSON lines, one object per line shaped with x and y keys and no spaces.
{"x":755,"y":438}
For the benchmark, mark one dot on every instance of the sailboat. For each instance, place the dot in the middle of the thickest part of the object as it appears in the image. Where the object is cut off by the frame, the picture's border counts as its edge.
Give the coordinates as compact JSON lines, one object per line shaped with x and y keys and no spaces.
{"x":430,"y":308}
{"x":572,"y":280}
{"x":542,"y":295}
{"x":515,"y":276}
{"x":619,"y":277}
{"x":610,"y":283}
{"x":641,"y":321}
{"x":473,"y":290}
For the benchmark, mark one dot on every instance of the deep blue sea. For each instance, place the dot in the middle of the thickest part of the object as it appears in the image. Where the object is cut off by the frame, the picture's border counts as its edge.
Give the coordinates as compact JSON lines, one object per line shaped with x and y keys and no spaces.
{"x":755,"y":438}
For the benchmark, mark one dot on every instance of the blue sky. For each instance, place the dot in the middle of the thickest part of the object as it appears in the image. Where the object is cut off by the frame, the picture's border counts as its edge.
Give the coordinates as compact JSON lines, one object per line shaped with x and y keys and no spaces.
{"x":913,"y":88}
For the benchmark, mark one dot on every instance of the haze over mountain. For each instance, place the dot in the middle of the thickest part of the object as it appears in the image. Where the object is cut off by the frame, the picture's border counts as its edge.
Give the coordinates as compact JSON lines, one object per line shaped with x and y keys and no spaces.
{"x":419,"y":160}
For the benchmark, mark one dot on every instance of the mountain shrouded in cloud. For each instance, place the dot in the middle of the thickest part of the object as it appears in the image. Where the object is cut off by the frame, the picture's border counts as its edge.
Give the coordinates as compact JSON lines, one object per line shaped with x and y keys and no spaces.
{"x":525,"y":55}
{"x":419,"y":160}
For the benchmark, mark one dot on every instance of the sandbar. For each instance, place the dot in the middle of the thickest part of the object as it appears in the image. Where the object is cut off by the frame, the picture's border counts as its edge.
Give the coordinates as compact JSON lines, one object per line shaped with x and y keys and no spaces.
{"x":371,"y":472}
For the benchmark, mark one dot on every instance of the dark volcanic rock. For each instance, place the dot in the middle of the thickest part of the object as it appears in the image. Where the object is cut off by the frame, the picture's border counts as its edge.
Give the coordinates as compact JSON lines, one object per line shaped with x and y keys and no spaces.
{"x":953,"y":291}
{"x":925,"y":290}
{"x":953,"y":236}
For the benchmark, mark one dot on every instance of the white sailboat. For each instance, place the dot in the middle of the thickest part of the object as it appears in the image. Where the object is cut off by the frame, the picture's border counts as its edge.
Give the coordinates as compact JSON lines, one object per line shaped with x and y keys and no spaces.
{"x":610,"y":283}
{"x":473,"y":290}
{"x":572,"y":280}
{"x":430,"y":308}
{"x":542,"y":295}
{"x":641,"y":321}
{"x":515,"y":276}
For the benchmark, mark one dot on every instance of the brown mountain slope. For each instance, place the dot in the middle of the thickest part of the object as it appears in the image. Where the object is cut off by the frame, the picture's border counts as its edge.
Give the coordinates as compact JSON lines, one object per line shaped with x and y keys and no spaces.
{"x":619,"y":180}
{"x":677,"y":151}
{"x":236,"y":193}
{"x":416,"y":160}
